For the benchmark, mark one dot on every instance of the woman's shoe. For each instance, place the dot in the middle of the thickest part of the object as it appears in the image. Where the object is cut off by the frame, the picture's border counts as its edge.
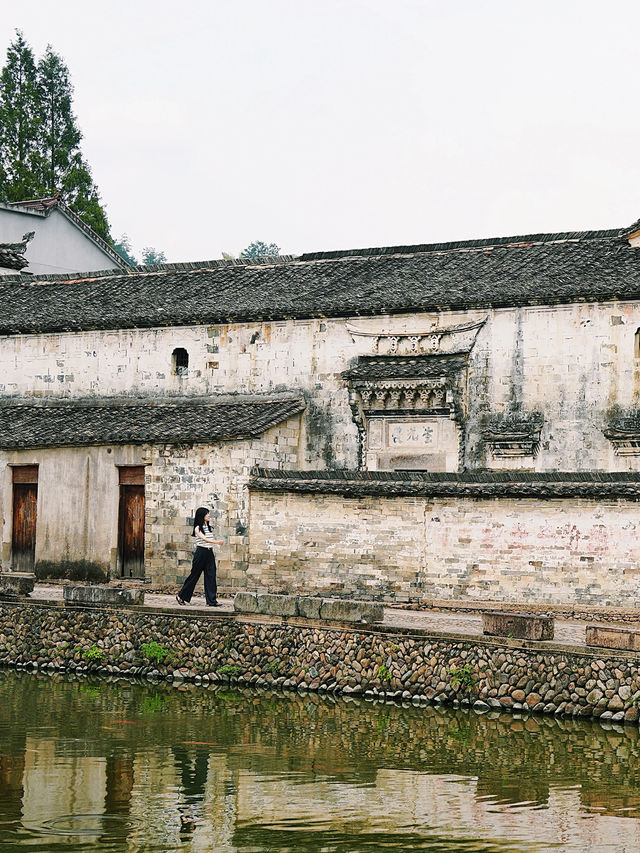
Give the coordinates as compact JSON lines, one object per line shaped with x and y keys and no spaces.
{"x":214,"y":604}
{"x":179,"y":600}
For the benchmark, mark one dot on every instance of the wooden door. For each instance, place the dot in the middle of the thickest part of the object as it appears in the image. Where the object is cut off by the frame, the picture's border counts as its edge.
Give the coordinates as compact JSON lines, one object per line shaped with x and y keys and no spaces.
{"x":25,"y":510}
{"x":131,"y":522}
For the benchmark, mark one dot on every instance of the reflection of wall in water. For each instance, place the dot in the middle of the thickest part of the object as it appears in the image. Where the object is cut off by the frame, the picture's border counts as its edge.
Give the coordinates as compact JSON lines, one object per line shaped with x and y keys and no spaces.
{"x":408,"y":801}
{"x":80,"y":781}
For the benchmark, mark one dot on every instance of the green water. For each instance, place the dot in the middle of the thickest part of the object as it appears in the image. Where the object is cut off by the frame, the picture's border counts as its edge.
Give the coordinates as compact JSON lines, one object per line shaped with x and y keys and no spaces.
{"x":116,"y":766}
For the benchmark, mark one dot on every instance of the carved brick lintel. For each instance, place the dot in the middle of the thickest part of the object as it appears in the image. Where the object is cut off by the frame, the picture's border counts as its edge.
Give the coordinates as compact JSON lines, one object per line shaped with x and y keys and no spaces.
{"x":625,"y":442}
{"x":390,"y":396}
{"x":509,"y":444}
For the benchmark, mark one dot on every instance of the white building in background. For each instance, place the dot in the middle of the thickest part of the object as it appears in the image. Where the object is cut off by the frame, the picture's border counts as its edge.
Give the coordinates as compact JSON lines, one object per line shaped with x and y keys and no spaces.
{"x":62,"y":242}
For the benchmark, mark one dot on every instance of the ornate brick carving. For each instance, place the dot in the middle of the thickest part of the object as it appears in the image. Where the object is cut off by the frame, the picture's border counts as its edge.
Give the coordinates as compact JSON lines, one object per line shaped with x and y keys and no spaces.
{"x":624,"y":431}
{"x":517,"y":435}
{"x":435,"y":340}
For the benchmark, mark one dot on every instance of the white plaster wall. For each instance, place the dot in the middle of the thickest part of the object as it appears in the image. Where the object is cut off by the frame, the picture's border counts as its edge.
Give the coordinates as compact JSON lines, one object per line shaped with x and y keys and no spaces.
{"x":59,"y":246}
{"x":571,"y":363}
{"x":78,"y":493}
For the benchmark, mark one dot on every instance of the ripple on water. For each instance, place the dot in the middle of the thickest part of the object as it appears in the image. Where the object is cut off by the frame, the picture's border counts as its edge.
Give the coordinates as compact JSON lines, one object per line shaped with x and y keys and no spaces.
{"x":80,"y":825}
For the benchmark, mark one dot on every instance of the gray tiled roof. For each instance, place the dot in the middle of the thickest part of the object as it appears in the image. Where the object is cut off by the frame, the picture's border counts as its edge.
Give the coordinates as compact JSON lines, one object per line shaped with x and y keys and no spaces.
{"x":66,"y":423}
{"x":12,"y":254}
{"x":11,"y":258}
{"x":464,"y":245}
{"x":472,"y":484}
{"x":405,"y":367}
{"x":504,"y":275}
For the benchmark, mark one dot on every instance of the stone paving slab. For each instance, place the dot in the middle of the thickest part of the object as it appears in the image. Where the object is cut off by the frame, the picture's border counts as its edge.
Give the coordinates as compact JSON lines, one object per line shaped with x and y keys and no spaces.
{"x":567,"y":632}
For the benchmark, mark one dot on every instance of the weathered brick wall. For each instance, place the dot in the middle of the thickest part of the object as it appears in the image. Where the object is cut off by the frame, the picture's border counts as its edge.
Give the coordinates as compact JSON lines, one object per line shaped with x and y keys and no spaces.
{"x":561,"y":551}
{"x":179,"y":479}
{"x":253,"y":358}
{"x":572,"y":363}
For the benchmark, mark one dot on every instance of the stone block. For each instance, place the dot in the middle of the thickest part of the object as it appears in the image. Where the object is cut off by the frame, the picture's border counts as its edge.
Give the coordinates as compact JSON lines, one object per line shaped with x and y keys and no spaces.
{"x":278,"y":605}
{"x":309,"y":607}
{"x":614,"y":637}
{"x":521,"y":626}
{"x":102,"y":595}
{"x":245,"y":602}
{"x":16,"y":583}
{"x":351,"y":611}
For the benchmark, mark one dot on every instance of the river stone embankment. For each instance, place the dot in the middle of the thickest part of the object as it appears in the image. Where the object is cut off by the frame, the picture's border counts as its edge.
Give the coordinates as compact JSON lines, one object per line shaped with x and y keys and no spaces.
{"x":389,"y":663}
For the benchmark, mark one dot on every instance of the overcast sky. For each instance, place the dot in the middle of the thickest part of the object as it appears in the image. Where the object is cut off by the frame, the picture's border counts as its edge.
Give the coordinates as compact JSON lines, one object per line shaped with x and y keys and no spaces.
{"x":327,"y":124}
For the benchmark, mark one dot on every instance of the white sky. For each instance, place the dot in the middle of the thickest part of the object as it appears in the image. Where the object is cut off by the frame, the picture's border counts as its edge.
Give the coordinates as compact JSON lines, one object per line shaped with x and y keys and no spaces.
{"x":327,"y":124}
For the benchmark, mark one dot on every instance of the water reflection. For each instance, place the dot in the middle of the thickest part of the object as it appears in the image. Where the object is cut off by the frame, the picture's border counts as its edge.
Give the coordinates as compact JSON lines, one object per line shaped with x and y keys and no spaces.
{"x":115,"y":766}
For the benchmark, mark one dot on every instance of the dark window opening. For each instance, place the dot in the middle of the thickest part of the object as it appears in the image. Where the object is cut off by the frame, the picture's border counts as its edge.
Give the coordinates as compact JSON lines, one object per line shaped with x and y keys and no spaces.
{"x":180,"y":361}
{"x":636,"y":345}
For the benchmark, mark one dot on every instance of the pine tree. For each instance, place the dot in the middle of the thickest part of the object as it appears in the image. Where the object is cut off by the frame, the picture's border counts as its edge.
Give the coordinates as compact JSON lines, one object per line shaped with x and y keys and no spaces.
{"x":19,"y":123}
{"x":62,"y":167}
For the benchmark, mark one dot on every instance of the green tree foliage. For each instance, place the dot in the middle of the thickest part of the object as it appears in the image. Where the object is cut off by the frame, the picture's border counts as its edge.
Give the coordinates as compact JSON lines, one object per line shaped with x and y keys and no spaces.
{"x":124,"y":248}
{"x":39,"y":139}
{"x":59,"y":136}
{"x":62,"y":165}
{"x":258,"y":249}
{"x":152,"y":256}
{"x":20,"y":121}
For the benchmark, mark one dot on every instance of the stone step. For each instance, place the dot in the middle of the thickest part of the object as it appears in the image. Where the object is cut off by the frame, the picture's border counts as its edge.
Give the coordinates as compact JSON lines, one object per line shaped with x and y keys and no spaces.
{"x":309,"y":607}
{"x":16,"y":583}
{"x":521,"y":626}
{"x":615,"y":637}
{"x":102,"y":595}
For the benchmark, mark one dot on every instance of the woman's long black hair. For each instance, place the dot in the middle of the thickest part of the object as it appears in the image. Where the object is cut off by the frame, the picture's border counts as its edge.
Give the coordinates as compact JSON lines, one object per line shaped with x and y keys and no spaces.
{"x":198,"y":521}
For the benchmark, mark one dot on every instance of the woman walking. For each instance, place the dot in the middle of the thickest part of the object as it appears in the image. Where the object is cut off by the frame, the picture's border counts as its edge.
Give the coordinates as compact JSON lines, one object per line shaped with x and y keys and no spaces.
{"x":203,"y":561}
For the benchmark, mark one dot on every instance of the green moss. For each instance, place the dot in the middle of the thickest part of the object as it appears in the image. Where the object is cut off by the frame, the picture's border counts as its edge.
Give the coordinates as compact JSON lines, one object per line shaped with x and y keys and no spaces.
{"x":73,"y":570}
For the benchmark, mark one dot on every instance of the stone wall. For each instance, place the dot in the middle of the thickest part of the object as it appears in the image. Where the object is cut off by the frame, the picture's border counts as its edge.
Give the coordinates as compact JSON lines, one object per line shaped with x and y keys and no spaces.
{"x":563,"y":551}
{"x":388,"y":663}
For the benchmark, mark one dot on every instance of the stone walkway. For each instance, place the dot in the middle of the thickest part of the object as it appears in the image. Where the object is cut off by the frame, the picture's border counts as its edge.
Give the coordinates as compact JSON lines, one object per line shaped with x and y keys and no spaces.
{"x":566,"y":631}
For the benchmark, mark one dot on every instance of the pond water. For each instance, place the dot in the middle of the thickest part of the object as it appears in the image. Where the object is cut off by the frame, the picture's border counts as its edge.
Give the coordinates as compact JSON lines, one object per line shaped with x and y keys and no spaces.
{"x":120,"y":766}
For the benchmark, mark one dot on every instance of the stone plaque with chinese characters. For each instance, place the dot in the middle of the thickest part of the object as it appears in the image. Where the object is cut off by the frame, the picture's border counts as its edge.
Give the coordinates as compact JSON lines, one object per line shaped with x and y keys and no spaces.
{"x":429,"y":444}
{"x":411,"y":434}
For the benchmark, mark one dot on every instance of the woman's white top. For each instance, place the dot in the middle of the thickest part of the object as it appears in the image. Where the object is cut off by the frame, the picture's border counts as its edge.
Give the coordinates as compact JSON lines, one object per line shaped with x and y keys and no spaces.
{"x":206,"y":530}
